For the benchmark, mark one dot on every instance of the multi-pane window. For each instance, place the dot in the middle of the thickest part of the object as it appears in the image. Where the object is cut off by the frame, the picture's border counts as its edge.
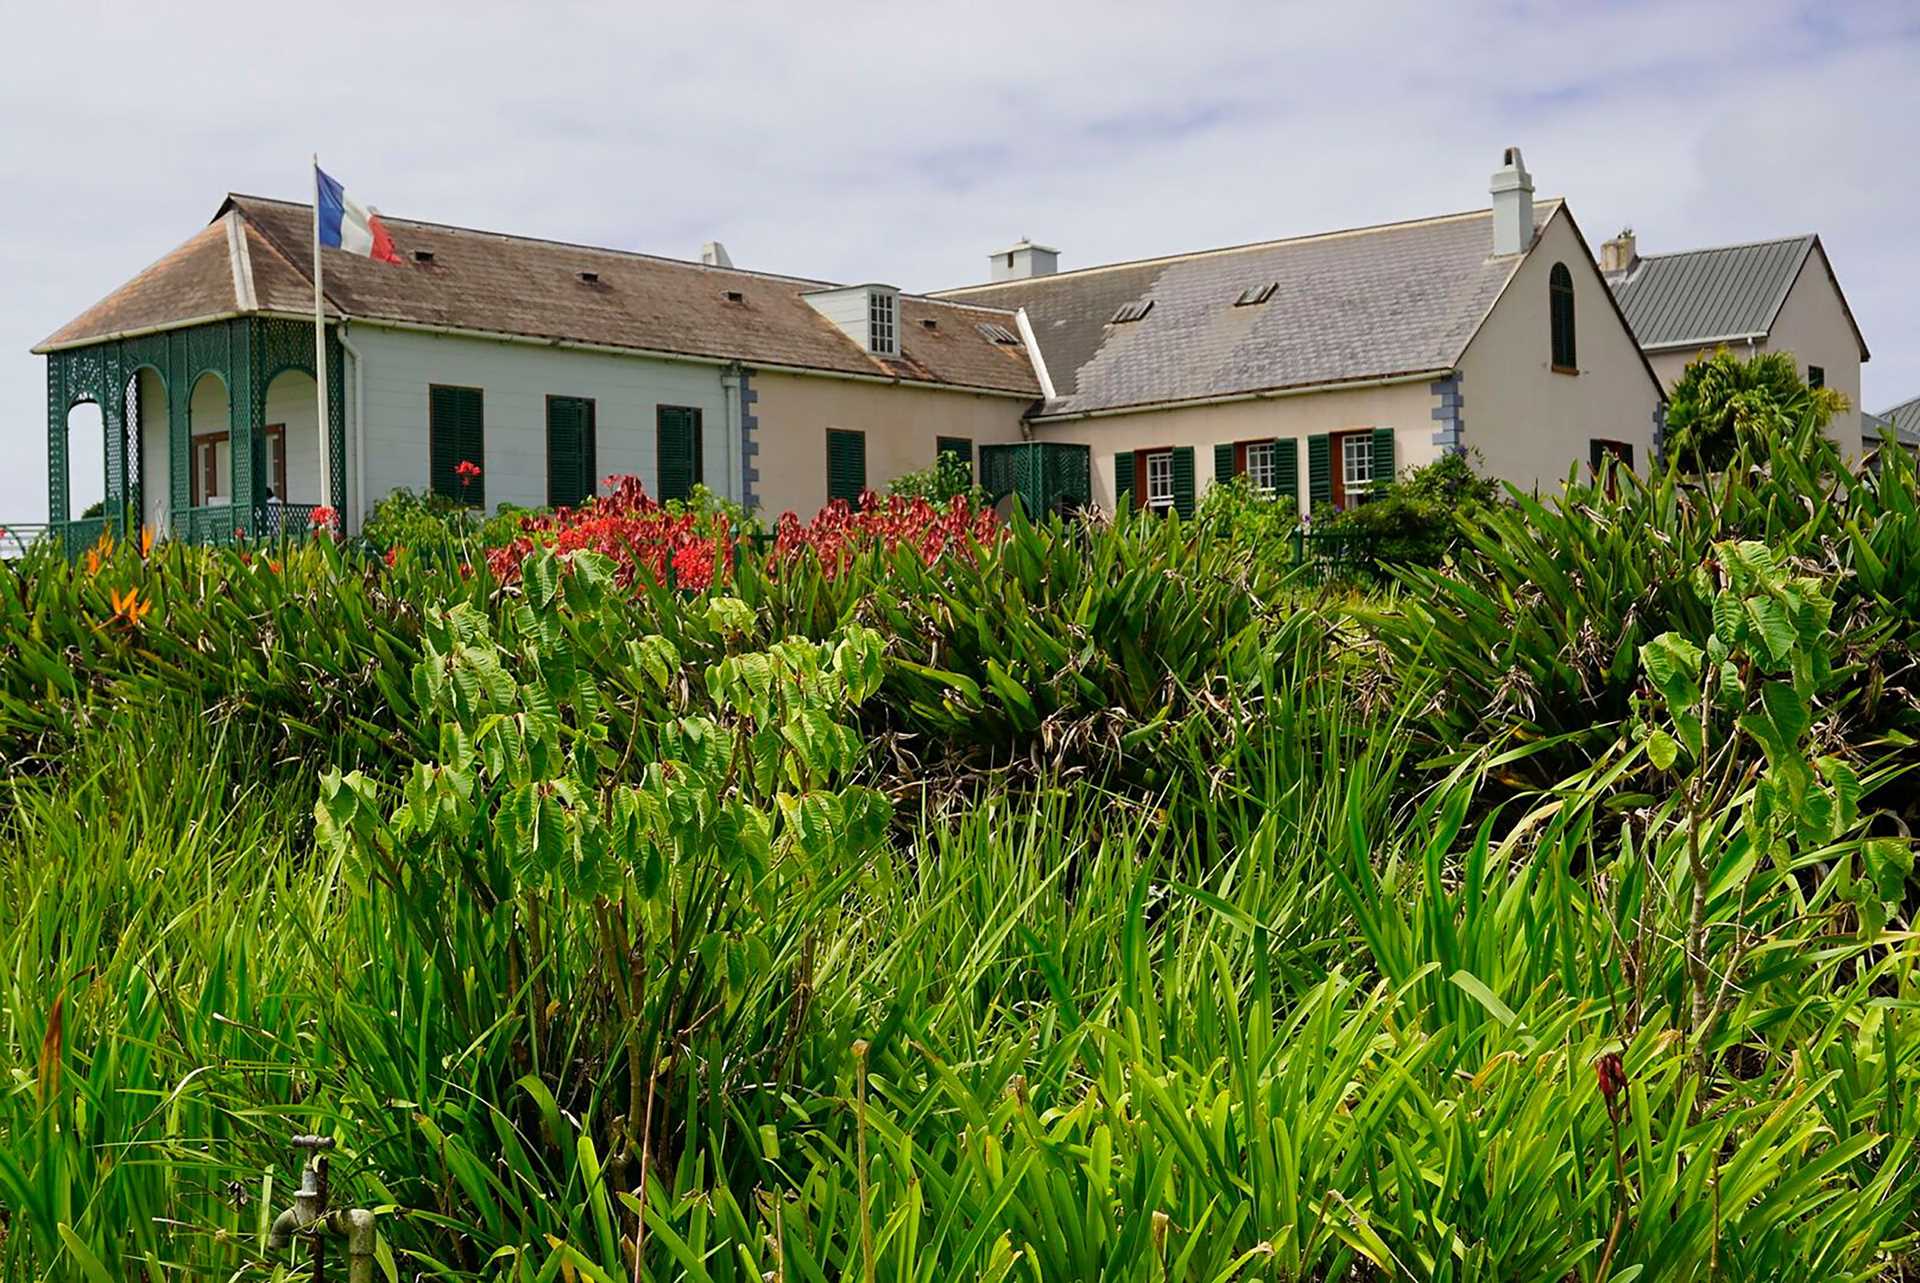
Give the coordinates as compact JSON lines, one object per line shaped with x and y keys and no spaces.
{"x":1160,"y":479}
{"x":883,"y":334}
{"x":1356,"y":465}
{"x":1816,"y":376}
{"x":1259,"y":471}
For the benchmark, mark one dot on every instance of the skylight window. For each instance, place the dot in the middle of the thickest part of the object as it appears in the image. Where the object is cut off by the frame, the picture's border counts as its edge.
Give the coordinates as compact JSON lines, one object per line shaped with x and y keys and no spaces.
{"x":999,"y":334}
{"x":1131,"y":312}
{"x":1254,"y":295}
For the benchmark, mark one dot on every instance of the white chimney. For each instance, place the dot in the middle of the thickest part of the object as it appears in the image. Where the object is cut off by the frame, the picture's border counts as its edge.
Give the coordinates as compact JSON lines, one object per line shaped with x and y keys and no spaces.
{"x":1619,"y":254}
{"x":714,"y":254}
{"x":1512,"y":206}
{"x":1025,"y":259}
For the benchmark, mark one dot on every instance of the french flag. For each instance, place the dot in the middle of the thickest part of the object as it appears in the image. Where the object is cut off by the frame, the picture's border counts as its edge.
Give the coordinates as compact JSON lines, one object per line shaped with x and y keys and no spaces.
{"x":345,"y":223}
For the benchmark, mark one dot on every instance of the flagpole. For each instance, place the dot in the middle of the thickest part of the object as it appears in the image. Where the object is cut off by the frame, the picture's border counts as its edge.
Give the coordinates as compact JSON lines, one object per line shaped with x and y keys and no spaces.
{"x":320,"y":354}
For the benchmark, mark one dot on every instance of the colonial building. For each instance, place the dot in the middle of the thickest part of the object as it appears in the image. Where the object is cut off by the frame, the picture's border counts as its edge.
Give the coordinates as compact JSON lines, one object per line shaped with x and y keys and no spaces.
{"x":544,"y":365}
{"x":1318,"y":365}
{"x":1766,"y":296}
{"x":1323,"y":365}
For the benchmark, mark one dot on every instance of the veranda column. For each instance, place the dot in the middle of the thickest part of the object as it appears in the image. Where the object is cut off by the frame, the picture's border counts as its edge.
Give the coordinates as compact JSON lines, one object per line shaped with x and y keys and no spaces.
{"x":56,"y":439}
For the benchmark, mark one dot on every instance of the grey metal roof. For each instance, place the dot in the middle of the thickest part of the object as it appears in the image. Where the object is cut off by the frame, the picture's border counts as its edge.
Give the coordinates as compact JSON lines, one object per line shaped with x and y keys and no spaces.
{"x":1403,"y":298}
{"x":1906,"y":421}
{"x":1709,"y":295}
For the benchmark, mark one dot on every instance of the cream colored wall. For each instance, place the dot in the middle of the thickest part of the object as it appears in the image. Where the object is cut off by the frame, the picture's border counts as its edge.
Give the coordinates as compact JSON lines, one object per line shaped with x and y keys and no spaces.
{"x":1407,"y":408}
{"x":1530,"y":423}
{"x":901,"y":423}
{"x":290,"y":401}
{"x":155,"y":443}
{"x":1813,"y":326}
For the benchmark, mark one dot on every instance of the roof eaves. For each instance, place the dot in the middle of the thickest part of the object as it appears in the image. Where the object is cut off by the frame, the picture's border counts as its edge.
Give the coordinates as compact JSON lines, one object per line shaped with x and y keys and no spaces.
{"x":1247,"y":394}
{"x":881,"y":374}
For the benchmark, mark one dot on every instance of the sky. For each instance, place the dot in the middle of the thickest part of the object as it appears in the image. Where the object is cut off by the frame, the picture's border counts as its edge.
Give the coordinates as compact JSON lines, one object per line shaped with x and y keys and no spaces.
{"x":904,"y":142}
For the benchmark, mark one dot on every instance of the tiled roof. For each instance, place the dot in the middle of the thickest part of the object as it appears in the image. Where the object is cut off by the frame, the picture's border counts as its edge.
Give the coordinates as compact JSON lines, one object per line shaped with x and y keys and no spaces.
{"x":512,"y":285}
{"x":1701,"y":296}
{"x":1404,"y":298}
{"x":1906,"y":421}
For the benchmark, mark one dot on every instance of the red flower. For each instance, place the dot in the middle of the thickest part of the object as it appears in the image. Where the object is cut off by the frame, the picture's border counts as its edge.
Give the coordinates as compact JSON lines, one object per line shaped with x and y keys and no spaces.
{"x":1612,"y":1074}
{"x":322,"y":518}
{"x":467,"y":470}
{"x":393,"y":554}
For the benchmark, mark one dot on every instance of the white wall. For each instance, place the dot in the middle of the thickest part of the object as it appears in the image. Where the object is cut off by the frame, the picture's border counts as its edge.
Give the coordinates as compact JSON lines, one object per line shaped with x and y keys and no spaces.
{"x":1813,"y":326}
{"x":1530,"y":422}
{"x":515,"y":380}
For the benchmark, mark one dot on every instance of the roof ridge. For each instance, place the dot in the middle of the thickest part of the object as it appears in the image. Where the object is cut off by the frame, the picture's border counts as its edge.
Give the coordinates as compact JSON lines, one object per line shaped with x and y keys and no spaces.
{"x":1807,"y":237}
{"x":1362,"y":230}
{"x":668,"y":259}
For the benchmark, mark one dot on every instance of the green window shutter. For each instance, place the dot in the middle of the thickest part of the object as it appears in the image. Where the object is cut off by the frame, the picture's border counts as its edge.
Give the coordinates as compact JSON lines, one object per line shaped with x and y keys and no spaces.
{"x":1286,"y":468}
{"x":455,"y":435}
{"x":1382,"y":457}
{"x":1183,"y":480}
{"x":677,"y":440}
{"x":569,"y":451}
{"x":1123,"y":496}
{"x":1319,"y":470}
{"x":846,"y":465}
{"x":1223,"y":463}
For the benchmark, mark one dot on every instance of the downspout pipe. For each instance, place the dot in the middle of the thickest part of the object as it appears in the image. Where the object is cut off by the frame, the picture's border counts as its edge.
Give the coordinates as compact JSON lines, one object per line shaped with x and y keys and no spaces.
{"x":358,"y":507}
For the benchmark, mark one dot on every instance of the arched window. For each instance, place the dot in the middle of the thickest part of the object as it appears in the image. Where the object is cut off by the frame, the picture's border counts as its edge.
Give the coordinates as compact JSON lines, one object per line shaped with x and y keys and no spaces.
{"x":1560,"y":314}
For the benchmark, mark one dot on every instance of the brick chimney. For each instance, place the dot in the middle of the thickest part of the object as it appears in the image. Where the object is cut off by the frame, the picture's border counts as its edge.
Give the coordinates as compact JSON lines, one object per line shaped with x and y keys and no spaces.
{"x":1512,"y":188}
{"x":1618,"y":255}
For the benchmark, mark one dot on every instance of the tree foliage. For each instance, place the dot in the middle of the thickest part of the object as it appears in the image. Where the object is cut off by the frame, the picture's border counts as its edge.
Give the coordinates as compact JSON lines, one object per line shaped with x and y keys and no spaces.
{"x":1722,"y":400}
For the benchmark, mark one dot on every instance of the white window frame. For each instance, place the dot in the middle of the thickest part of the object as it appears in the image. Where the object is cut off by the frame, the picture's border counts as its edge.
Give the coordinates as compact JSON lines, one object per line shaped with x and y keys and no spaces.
{"x":1160,"y":479}
{"x":883,"y":322}
{"x":1259,"y":470}
{"x":1356,"y":481}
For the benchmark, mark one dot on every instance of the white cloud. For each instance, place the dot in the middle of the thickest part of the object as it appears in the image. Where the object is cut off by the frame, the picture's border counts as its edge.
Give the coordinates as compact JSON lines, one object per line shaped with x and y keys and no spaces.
{"x":905,"y":141}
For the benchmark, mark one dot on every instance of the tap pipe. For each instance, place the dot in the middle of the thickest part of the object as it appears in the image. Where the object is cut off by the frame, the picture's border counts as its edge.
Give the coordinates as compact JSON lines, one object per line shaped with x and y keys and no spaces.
{"x":310,"y":1218}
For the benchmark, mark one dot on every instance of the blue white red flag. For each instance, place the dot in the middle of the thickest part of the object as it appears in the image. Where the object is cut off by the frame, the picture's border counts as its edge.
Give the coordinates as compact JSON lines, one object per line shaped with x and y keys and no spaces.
{"x":344,"y":223}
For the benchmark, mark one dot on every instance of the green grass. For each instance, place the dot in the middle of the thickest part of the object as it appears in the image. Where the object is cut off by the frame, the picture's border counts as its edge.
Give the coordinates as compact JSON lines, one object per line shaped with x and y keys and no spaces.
{"x":1212,"y":941}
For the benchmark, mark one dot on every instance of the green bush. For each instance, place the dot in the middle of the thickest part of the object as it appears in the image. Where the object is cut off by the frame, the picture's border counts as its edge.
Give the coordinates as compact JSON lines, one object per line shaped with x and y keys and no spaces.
{"x":948,"y":477}
{"x":1414,"y":520}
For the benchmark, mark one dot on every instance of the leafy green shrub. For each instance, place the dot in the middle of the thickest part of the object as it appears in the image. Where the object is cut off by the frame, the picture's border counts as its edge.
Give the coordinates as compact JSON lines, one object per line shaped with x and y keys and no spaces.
{"x":948,"y":477}
{"x":1415,"y":518}
{"x":408,"y":519}
{"x":1262,"y":520}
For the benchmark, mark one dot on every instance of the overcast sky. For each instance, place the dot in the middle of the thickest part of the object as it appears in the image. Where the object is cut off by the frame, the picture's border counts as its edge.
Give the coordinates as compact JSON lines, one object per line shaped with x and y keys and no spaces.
{"x":903,"y":142}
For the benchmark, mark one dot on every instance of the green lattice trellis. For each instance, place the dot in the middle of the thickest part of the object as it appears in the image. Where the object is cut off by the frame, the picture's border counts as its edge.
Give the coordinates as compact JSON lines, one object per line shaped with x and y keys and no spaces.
{"x":1047,"y":475}
{"x":246,"y":354}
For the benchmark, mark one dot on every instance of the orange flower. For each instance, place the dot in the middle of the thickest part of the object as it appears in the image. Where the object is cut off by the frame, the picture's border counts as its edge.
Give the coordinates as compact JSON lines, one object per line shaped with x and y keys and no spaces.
{"x":146,"y":540}
{"x":93,"y":561}
{"x":128,"y":609}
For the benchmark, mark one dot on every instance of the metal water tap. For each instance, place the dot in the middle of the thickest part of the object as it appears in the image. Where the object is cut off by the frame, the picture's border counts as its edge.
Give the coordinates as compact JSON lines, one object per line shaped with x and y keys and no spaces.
{"x":310,"y":1218}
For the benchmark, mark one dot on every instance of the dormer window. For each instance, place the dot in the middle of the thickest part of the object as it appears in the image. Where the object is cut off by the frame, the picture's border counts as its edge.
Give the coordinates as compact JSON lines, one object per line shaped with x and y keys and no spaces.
{"x":883,"y":331}
{"x":1254,"y":295}
{"x":1131,"y":312}
{"x":869,"y":315}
